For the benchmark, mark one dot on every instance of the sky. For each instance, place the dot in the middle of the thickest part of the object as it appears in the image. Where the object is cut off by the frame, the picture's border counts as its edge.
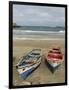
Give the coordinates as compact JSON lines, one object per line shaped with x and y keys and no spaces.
{"x":27,"y":15}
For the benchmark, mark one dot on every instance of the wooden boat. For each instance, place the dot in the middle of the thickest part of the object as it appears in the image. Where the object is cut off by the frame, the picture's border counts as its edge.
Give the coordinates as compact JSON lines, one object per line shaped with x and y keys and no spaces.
{"x":54,"y":59}
{"x":29,"y":62}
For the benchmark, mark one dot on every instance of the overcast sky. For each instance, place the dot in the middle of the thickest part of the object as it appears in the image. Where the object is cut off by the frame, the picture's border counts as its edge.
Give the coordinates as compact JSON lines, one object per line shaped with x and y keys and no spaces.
{"x":38,"y":15}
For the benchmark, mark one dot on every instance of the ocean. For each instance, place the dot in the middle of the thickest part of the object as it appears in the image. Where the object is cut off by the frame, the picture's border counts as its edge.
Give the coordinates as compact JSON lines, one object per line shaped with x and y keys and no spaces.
{"x":34,"y":32}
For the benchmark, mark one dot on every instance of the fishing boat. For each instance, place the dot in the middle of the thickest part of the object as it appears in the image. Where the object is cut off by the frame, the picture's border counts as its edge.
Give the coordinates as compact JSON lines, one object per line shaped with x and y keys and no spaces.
{"x":29,"y":62}
{"x":54,"y":58}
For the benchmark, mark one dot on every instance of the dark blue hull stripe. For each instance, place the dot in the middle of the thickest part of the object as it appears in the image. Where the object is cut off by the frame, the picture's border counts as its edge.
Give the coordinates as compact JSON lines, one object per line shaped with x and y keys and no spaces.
{"x":25,"y":74}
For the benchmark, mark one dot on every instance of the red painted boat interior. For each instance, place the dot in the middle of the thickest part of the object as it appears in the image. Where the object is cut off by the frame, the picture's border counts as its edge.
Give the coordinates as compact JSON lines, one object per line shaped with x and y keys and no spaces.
{"x":55,"y":54}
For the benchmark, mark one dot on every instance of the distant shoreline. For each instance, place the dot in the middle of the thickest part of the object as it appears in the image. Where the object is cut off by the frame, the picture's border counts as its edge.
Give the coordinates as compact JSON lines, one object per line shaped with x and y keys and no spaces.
{"x":38,"y":39}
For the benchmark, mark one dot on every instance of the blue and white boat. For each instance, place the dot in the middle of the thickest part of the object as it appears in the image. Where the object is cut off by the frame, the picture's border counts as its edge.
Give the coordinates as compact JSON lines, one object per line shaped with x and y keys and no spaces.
{"x":29,"y":62}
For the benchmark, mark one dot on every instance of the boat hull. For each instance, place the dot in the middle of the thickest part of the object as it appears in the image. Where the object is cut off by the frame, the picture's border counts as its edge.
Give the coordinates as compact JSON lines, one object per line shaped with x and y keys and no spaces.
{"x":52,"y":66}
{"x":28,"y":71}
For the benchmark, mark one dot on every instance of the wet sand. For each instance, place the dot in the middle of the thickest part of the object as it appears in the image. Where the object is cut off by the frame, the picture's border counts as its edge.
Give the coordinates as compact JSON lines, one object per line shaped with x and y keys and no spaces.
{"x":42,"y":75}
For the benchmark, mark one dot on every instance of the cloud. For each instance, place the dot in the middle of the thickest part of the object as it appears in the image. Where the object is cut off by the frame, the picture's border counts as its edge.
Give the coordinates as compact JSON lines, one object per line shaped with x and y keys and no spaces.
{"x":38,"y":15}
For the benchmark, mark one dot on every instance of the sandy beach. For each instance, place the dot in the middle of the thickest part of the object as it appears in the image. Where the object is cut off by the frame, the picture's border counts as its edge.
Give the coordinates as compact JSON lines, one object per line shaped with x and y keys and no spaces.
{"x":42,"y":75}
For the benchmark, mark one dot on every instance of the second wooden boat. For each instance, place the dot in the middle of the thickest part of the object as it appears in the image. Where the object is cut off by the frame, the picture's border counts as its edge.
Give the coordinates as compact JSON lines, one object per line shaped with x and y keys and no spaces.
{"x":54,"y":58}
